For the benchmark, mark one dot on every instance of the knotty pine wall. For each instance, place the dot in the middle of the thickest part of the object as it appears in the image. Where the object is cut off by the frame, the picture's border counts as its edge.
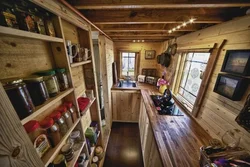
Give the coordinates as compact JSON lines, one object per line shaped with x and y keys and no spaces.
{"x":141,"y":48}
{"x":218,"y":113}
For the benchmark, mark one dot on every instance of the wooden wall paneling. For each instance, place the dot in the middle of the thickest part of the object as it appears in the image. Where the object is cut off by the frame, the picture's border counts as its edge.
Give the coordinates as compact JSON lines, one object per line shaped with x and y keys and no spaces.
{"x":106,"y":52}
{"x":16,"y":148}
{"x":70,"y":32}
{"x":126,"y":106}
{"x":22,"y":57}
{"x":138,"y":47}
{"x":217,"y":113}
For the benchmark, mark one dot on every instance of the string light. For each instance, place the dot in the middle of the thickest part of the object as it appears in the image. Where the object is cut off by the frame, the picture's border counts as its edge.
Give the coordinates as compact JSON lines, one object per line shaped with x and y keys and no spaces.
{"x":184,"y":24}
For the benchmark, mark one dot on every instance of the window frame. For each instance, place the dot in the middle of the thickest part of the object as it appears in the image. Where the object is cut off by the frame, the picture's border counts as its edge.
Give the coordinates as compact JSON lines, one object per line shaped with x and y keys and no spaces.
{"x":137,"y":53}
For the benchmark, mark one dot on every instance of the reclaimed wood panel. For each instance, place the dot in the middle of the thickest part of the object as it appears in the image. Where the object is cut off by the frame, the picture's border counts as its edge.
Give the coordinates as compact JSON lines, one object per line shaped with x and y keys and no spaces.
{"x":21,"y":57}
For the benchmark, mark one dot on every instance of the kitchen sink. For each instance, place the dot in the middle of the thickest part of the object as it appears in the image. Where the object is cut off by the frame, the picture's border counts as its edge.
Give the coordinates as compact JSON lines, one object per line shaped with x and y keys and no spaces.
{"x":127,"y":84}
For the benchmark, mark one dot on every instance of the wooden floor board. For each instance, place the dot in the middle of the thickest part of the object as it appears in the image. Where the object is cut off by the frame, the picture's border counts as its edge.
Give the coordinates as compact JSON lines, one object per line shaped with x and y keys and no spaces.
{"x":124,"y":148}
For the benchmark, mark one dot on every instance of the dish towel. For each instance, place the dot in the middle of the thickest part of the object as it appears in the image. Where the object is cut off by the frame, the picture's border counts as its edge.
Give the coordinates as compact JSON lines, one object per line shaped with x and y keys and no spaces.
{"x":82,"y":103}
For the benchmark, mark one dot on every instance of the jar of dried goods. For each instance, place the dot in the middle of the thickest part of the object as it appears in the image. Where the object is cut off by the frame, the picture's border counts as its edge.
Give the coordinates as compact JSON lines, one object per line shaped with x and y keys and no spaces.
{"x":72,"y":109}
{"x":62,"y":78}
{"x":52,"y":130}
{"x":50,"y":81}
{"x":19,"y":96}
{"x":37,"y":89}
{"x":60,"y":121}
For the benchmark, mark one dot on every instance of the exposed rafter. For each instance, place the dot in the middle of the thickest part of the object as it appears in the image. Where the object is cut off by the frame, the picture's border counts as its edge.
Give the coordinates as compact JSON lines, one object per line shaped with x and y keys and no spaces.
{"x":161,"y":6}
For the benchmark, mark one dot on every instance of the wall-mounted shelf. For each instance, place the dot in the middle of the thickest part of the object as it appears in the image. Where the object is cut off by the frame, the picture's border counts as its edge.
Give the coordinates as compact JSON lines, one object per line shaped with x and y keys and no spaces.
{"x":51,"y":154}
{"x":26,"y":34}
{"x":50,"y":102}
{"x":80,"y":63}
{"x":76,"y":155}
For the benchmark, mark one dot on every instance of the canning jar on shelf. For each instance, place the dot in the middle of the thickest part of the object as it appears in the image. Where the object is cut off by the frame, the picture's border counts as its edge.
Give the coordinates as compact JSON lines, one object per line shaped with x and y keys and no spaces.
{"x":37,"y":89}
{"x":57,"y":117}
{"x":50,"y":81}
{"x":62,"y":78}
{"x":19,"y":96}
{"x":33,"y":129}
{"x":52,"y":130}
{"x":72,"y":109}
{"x":66,"y":115}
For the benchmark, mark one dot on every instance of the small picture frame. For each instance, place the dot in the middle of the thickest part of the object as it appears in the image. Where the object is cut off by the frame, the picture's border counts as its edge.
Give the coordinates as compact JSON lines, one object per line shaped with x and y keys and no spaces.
{"x":150,"y":54}
{"x":237,"y":62}
{"x":232,"y":87}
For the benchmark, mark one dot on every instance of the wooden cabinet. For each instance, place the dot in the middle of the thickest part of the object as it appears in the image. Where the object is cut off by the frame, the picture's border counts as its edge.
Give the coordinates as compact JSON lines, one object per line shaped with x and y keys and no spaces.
{"x":126,"y":105}
{"x":151,"y":156}
{"x":24,"y":53}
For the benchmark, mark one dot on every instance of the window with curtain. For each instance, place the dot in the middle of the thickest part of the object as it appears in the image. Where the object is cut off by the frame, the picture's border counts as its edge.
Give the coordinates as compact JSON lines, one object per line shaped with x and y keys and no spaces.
{"x":194,"y":66}
{"x":128,"y":63}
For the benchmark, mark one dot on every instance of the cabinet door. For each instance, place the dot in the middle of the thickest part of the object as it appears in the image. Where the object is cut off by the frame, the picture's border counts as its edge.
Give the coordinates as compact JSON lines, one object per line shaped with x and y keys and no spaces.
{"x":126,"y":106}
{"x":16,"y":147}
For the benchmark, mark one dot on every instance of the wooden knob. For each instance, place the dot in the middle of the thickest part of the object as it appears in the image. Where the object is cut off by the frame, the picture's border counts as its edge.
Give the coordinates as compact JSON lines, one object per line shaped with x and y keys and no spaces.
{"x":16,"y":152}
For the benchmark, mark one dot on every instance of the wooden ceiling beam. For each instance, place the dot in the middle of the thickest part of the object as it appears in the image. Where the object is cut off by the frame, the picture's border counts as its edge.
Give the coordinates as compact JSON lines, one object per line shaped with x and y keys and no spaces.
{"x":147,"y":30}
{"x":161,"y":6}
{"x":159,"y":16}
{"x":149,"y":34}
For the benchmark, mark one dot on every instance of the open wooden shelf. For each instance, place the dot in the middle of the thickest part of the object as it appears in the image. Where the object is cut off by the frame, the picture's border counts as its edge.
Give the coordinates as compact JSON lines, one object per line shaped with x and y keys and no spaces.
{"x":80,"y":63}
{"x":76,"y":155}
{"x":51,"y":154}
{"x":86,"y":163}
{"x":50,"y":102}
{"x":26,"y":34}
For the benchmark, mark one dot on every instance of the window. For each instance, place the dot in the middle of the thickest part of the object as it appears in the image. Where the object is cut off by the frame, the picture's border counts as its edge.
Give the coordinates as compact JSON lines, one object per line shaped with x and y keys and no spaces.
{"x":128,"y":63}
{"x":195,"y":64}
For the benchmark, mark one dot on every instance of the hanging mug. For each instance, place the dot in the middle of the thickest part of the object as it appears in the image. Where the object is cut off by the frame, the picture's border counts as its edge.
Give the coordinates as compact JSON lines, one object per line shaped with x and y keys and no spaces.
{"x":86,"y":54}
{"x":72,"y":50}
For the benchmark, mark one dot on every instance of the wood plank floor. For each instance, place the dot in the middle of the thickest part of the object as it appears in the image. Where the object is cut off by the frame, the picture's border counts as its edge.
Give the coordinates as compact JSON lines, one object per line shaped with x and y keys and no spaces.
{"x":124,"y":147}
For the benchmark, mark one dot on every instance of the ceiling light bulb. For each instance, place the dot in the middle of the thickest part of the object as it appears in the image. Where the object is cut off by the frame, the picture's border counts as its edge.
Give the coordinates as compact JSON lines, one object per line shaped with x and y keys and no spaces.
{"x":178,"y":27}
{"x":184,"y":24}
{"x":133,"y":40}
{"x":191,"y":20}
{"x":170,"y":31}
{"x":174,"y":29}
{"x":142,"y":40}
{"x":138,"y":41}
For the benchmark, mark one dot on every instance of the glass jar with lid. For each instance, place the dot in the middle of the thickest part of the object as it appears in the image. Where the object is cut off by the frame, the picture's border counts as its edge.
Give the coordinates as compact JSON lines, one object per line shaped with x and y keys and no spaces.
{"x":33,"y":129}
{"x":72,"y":109}
{"x":62,"y":78}
{"x":60,"y":161}
{"x":60,"y":121}
{"x":19,"y":96}
{"x":50,"y":81}
{"x":37,"y":89}
{"x":52,"y":130}
{"x":66,"y":115}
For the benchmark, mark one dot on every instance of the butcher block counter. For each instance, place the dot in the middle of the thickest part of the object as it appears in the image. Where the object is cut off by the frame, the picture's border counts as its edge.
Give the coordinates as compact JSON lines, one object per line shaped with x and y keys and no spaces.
{"x":177,"y":139}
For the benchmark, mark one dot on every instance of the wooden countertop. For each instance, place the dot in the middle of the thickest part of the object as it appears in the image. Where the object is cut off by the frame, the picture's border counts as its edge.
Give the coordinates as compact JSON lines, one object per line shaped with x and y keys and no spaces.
{"x":178,"y":138}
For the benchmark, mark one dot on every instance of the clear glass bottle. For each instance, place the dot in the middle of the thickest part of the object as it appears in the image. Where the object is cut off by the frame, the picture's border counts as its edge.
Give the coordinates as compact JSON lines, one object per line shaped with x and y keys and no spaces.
{"x":60,"y":121}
